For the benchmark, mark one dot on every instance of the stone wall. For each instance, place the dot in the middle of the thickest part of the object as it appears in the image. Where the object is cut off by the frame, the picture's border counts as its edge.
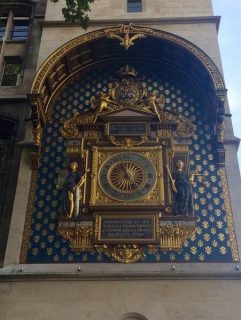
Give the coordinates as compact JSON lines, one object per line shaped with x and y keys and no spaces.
{"x":112,"y":9}
{"x":15,"y":108}
{"x":104,"y":300}
{"x":96,"y":298}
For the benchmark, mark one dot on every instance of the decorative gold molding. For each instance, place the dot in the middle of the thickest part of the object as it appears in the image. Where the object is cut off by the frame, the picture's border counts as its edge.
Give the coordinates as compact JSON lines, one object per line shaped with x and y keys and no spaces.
{"x":172,"y":237}
{"x":37,"y":136}
{"x":35,"y":160}
{"x":220,"y":126}
{"x":128,"y":142}
{"x":47,"y":82}
{"x":70,"y":127}
{"x":229,"y":215}
{"x":107,"y":105}
{"x":78,"y":234}
{"x":180,"y":148}
{"x":153,"y":198}
{"x":122,"y":253}
{"x":118,"y":30}
{"x":125,"y":40}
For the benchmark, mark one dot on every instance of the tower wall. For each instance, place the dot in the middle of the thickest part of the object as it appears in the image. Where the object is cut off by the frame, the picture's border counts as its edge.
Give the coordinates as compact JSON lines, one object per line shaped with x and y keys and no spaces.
{"x":94,"y":291}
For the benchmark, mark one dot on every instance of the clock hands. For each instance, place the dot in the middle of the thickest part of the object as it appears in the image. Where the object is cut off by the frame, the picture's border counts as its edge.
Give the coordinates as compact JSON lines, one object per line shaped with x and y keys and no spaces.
{"x":127,"y":177}
{"x":131,"y":181}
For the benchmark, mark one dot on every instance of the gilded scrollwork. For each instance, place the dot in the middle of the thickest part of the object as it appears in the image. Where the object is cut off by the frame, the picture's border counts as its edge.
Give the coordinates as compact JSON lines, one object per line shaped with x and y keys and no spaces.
{"x":124,"y":38}
{"x":70,"y":128}
{"x":128,"y":142}
{"x":229,"y":215}
{"x":122,"y":253}
{"x":35,"y":160}
{"x":126,"y":93}
{"x":94,"y":175}
{"x":79,"y":235}
{"x":185,"y":128}
{"x":37,"y":135}
{"x":172,"y":237}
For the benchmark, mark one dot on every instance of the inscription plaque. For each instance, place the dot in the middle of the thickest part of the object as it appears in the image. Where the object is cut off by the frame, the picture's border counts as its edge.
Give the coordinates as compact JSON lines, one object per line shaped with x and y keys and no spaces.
{"x":128,"y":229}
{"x":127,"y":129}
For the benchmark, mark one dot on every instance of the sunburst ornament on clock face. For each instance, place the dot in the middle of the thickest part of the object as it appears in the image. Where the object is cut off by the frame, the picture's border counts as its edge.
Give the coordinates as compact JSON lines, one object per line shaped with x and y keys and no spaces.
{"x":127,"y":176}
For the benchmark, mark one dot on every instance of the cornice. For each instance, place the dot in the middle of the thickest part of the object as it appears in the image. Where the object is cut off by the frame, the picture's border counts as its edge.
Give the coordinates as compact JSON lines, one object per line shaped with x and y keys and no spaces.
{"x":232,"y":141}
{"x":122,"y":272}
{"x":142,"y":21}
{"x":125,"y":276}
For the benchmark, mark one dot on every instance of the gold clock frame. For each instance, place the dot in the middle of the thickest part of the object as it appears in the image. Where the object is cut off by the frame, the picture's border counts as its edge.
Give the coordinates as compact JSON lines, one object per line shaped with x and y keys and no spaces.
{"x":154,"y":198}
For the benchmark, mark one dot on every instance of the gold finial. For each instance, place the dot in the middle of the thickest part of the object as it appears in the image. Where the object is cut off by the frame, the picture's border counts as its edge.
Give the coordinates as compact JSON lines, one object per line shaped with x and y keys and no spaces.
{"x":128,"y":71}
{"x":123,"y":35}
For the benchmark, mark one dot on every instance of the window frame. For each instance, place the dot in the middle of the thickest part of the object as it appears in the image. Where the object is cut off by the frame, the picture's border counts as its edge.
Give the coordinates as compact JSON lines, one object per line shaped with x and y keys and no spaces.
{"x":3,"y":27}
{"x":11,"y":35}
{"x":12,"y":61}
{"x":141,"y":6}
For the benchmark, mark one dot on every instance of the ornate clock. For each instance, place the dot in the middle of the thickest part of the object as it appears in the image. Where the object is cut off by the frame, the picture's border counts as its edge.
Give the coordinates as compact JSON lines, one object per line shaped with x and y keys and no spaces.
{"x":129,"y":144}
{"x":130,"y":177}
{"x":127,"y":176}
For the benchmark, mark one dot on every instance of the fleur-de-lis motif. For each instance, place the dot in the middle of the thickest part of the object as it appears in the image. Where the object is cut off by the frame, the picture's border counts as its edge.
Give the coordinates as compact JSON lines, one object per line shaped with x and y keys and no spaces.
{"x":126,"y":40}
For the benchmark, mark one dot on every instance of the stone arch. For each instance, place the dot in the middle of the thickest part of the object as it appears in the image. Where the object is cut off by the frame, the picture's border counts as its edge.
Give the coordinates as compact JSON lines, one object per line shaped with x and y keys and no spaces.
{"x":108,"y":45}
{"x":59,"y":65}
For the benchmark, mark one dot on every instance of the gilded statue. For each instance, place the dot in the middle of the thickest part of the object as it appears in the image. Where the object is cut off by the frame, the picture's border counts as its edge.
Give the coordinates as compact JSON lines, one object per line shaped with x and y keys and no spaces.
{"x":154,"y":103}
{"x":182,"y":190}
{"x":72,"y":193}
{"x":101,"y":103}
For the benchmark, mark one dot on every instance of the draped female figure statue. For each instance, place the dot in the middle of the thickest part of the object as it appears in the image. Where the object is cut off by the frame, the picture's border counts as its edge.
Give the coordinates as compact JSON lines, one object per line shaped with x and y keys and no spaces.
{"x":182,"y":188}
{"x":72,"y":191}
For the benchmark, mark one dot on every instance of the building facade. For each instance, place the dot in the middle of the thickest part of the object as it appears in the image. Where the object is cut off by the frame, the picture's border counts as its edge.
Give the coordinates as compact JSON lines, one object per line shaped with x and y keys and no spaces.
{"x":118,"y":164}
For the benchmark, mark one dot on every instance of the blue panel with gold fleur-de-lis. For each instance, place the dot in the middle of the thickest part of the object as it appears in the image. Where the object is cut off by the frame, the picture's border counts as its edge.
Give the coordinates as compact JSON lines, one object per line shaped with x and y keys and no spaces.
{"x":212,"y":240}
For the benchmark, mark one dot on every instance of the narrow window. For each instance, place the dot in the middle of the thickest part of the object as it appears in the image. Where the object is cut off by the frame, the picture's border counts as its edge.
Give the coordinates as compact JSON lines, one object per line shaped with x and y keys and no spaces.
{"x":134,"y":5}
{"x":3,"y":23}
{"x":20,"y":29}
{"x":11,"y":72}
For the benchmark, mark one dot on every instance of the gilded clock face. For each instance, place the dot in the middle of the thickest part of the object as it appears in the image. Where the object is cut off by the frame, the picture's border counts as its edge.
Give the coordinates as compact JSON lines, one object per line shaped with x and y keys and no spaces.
{"x":127,"y":176}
